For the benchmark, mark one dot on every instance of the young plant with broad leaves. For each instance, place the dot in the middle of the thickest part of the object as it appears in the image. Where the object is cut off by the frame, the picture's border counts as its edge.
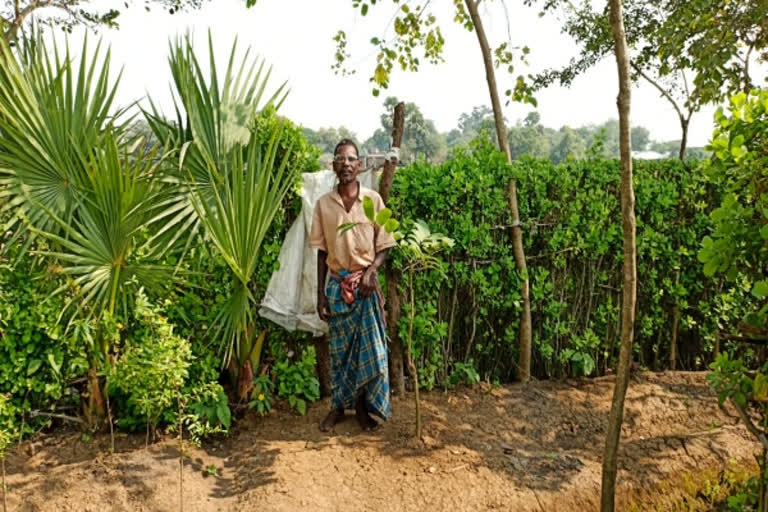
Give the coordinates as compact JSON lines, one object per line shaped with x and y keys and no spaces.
{"x":737,"y":249}
{"x":419,"y":247}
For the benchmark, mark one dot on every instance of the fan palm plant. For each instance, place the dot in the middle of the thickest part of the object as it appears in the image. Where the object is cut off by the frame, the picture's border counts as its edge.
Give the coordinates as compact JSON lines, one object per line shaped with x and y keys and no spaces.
{"x":236,"y":182}
{"x":215,"y":114}
{"x":70,"y":172}
{"x":52,"y":112}
{"x":101,"y":246}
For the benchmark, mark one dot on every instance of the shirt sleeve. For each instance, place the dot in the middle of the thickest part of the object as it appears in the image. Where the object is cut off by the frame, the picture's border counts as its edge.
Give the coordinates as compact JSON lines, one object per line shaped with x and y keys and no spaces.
{"x":317,"y":236}
{"x":384,"y":240}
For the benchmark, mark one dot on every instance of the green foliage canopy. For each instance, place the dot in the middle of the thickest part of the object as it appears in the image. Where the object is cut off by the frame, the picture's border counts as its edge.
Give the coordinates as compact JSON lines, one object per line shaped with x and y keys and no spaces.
{"x":737,"y":245}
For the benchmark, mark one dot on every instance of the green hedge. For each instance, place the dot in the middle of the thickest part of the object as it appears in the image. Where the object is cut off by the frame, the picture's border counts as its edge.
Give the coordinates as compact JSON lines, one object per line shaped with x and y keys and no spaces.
{"x":467,"y":317}
{"x":573,"y":243}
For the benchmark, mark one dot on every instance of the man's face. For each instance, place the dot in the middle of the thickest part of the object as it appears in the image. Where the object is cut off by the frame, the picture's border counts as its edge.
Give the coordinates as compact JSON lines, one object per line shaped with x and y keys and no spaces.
{"x":346,"y":165}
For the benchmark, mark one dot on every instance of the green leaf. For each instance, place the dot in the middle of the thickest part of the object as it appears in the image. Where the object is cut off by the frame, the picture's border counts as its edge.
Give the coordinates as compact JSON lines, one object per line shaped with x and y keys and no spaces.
{"x":301,"y":406}
{"x":760,"y":388}
{"x":760,"y":289}
{"x":368,"y":208}
{"x":738,"y":152}
{"x":55,"y":362}
{"x":383,"y":216}
{"x":346,"y":227}
{"x":391,"y":225}
{"x":33,"y":366}
{"x":224,"y":414}
{"x":364,"y":9}
{"x":588,"y":364}
{"x":710,"y":267}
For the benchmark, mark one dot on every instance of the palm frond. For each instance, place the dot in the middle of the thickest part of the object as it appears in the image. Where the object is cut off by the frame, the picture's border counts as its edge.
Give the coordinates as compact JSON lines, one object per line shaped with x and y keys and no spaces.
{"x":248,"y":193}
{"x":213,"y":115}
{"x":97,"y":247}
{"x":52,"y":112}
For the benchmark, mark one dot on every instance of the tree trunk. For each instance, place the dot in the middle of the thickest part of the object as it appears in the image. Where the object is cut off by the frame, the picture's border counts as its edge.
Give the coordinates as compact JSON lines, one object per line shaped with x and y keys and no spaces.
{"x":716,"y":348}
{"x":747,"y":79}
{"x":524,"y":361}
{"x":616,"y":416}
{"x":323,"y":364}
{"x":396,"y":377}
{"x":684,"y":121}
{"x":673,"y":339}
{"x":181,"y":457}
{"x":684,"y":140}
{"x":388,"y":176}
{"x":94,"y":408}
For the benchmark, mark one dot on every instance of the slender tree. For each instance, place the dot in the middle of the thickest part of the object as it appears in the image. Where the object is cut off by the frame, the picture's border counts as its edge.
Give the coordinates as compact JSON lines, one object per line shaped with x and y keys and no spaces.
{"x":630,"y":264}
{"x":692,"y":53}
{"x":524,"y":362}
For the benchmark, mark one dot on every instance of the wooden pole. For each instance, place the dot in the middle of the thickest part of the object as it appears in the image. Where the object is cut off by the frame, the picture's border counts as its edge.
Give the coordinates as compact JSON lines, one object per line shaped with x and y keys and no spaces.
{"x":323,"y":359}
{"x":396,"y":377}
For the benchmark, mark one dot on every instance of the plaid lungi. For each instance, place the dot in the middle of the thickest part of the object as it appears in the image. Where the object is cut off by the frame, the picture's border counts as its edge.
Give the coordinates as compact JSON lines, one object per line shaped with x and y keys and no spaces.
{"x":358,"y":351}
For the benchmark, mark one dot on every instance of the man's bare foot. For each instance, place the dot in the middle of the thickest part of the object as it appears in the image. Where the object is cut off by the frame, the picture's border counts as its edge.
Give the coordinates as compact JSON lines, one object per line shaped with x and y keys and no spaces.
{"x":363,"y":418}
{"x":330,"y":421}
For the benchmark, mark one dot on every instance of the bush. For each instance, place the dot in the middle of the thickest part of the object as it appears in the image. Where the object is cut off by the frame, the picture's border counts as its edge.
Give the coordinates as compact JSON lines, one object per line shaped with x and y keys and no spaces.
{"x":38,"y":363}
{"x":295,"y":380}
{"x":573,"y":242}
{"x":153,"y":367}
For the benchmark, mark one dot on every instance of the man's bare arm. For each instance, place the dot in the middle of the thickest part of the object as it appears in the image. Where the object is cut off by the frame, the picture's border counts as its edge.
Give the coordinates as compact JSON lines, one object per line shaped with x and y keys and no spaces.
{"x":322,"y":272}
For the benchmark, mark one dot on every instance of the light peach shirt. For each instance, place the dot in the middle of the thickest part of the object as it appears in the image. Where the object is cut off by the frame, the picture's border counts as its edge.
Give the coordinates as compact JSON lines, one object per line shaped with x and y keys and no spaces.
{"x":356,"y":248}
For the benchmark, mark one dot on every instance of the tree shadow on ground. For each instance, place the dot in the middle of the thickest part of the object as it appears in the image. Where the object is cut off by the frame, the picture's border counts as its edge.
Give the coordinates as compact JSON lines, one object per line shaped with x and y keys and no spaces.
{"x":540,"y":436}
{"x":543,"y":436}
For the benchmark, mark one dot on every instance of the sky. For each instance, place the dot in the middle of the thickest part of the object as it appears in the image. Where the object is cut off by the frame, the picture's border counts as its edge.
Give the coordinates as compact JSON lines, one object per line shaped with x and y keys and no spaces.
{"x":295,"y":38}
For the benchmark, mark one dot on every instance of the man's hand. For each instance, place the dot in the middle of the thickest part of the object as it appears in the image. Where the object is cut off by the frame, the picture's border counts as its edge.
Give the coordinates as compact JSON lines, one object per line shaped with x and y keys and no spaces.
{"x":323,"y":310}
{"x":368,"y":282}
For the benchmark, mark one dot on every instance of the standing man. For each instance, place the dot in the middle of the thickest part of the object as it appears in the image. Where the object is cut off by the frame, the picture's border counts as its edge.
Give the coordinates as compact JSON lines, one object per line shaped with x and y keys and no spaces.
{"x":352,"y":303}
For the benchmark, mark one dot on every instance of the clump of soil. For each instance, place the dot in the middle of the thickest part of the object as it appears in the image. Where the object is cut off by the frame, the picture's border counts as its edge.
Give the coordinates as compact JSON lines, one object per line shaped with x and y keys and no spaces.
{"x":519,"y":447}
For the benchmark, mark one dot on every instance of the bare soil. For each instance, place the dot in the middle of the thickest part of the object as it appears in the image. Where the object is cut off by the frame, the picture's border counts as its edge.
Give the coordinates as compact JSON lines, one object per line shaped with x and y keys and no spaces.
{"x":535,"y":447}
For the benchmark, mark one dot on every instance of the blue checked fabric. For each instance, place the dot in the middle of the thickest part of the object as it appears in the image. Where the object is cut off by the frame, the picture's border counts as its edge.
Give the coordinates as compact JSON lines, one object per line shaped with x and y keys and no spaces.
{"x":358,"y":351}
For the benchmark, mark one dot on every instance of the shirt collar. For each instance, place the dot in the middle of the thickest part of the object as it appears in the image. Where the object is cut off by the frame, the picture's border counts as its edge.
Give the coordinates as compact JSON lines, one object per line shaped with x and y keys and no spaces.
{"x":362,"y":192}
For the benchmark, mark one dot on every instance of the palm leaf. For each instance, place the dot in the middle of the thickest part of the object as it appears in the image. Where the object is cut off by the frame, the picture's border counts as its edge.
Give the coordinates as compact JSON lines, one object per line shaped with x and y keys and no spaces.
{"x":52,"y":112}
{"x":97,"y":247}
{"x":216,"y":114}
{"x":249,"y":192}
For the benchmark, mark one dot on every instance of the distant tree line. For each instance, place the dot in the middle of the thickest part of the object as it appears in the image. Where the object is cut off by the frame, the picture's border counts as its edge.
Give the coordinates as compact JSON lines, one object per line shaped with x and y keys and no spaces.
{"x":526,"y":137}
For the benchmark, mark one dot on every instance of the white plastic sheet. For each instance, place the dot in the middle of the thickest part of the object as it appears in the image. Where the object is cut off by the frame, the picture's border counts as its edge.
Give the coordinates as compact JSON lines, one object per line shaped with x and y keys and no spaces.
{"x":291,"y":296}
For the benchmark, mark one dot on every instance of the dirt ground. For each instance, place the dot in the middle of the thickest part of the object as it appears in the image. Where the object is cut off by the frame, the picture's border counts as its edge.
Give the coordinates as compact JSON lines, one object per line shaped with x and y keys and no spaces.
{"x":535,"y":447}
